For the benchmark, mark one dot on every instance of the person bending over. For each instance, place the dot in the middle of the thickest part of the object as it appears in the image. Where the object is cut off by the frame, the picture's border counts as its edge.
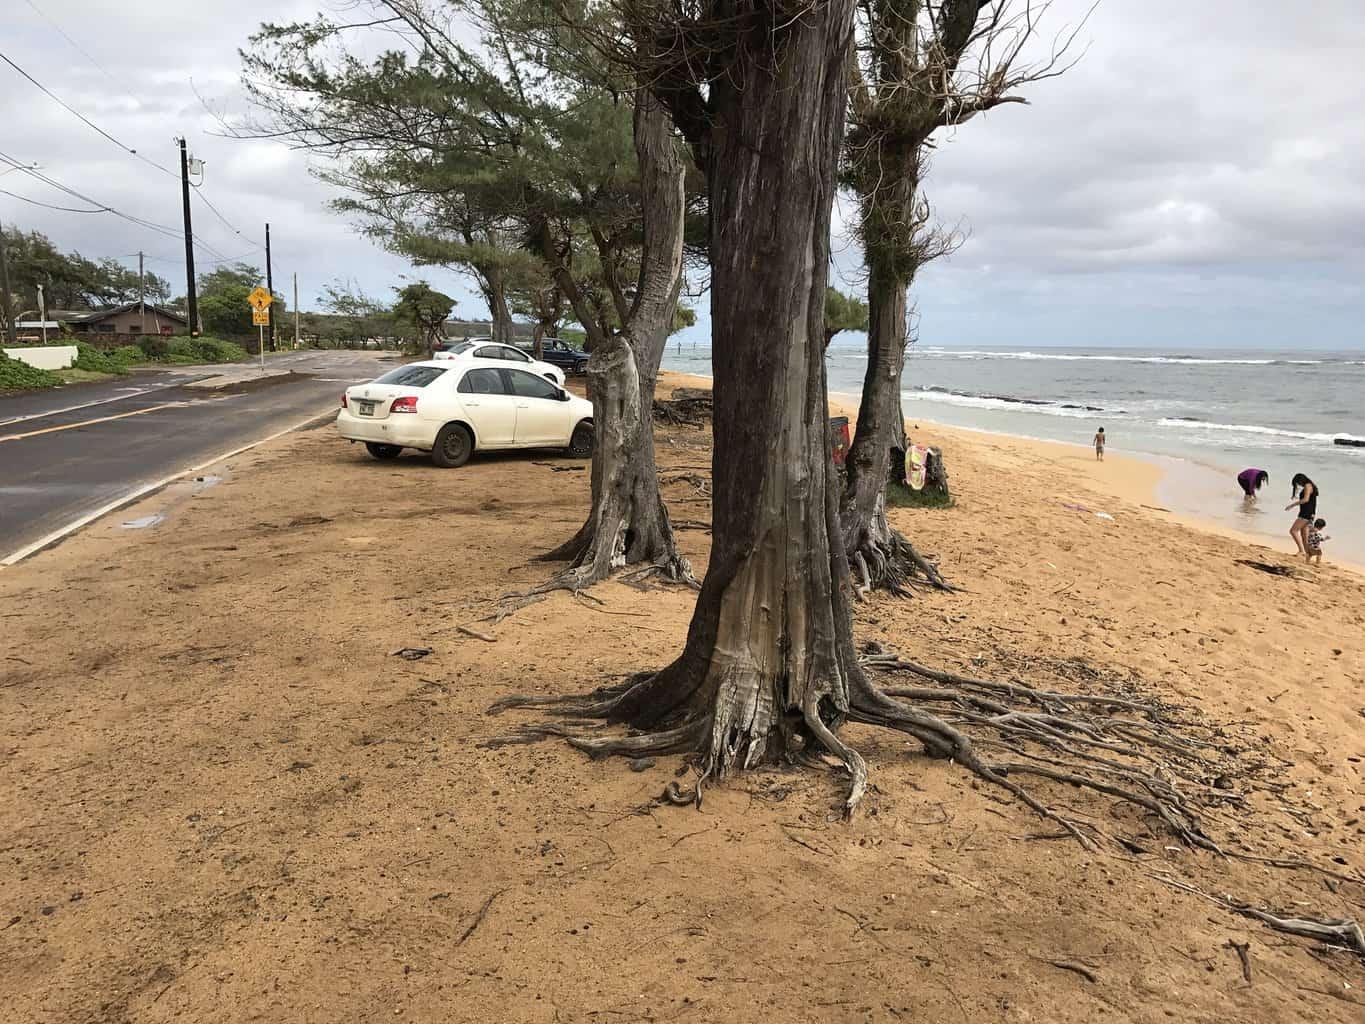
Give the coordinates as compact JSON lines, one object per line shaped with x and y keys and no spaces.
{"x":1251,"y":481}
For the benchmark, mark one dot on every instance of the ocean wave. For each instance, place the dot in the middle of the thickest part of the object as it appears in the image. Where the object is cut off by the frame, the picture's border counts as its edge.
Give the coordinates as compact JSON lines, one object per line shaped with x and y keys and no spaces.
{"x":947,"y":353}
{"x":1252,"y":428}
{"x":984,"y":401}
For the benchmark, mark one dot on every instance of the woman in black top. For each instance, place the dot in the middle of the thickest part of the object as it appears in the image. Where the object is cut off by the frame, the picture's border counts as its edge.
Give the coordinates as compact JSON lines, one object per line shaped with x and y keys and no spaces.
{"x":1306,"y":501}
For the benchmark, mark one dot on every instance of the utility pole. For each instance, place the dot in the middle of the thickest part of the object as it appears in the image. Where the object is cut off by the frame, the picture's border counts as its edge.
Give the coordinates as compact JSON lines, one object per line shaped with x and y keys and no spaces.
{"x":296,"y":309}
{"x":270,"y":287}
{"x":6,"y":306}
{"x":42,"y":313}
{"x":141,"y":293}
{"x":191,"y":299}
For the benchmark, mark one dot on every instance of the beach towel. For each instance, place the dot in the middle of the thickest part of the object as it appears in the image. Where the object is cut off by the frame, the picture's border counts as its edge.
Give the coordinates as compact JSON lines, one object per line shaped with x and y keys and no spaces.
{"x":916,"y":456}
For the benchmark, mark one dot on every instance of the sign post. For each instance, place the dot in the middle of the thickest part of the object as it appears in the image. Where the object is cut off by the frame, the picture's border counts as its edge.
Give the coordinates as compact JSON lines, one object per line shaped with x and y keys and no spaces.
{"x":260,"y":301}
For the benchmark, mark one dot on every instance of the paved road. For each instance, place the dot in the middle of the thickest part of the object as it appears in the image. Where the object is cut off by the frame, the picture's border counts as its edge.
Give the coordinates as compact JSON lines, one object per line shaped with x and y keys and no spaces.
{"x":65,"y":453}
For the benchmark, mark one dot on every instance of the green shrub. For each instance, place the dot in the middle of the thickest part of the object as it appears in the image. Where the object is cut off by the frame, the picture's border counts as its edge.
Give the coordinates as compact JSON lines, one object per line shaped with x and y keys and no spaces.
{"x":126,"y":355}
{"x":154,"y":347}
{"x":205,"y":350}
{"x":95,"y":360}
{"x":15,"y":374}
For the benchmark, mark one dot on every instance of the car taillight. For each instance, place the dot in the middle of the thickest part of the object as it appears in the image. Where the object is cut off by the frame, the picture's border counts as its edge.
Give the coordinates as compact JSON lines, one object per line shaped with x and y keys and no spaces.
{"x":343,"y":400}
{"x":407,"y":403}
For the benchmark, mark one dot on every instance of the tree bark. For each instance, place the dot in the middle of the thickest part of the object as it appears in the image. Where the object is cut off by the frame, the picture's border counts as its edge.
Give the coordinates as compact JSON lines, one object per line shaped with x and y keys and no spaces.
{"x":628,"y":523}
{"x":769,"y":663}
{"x":503,"y":331}
{"x":880,"y":556}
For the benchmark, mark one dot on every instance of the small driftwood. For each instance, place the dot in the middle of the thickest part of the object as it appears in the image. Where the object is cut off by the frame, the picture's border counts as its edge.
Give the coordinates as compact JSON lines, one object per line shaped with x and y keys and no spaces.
{"x":690,"y":406}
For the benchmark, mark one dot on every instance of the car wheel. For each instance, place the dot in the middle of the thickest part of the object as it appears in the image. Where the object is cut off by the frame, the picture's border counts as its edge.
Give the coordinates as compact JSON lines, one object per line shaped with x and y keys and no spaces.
{"x":580,"y":444}
{"x":382,"y":451}
{"x":453,"y":446}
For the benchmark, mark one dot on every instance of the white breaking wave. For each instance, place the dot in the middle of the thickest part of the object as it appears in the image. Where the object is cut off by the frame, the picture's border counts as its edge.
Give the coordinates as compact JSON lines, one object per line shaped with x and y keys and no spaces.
{"x":980,"y":402}
{"x":1250,"y":428}
{"x":954,"y":353}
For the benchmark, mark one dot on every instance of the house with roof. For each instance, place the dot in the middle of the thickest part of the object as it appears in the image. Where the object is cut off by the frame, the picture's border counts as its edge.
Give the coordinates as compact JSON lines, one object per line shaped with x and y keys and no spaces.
{"x":131,"y":318}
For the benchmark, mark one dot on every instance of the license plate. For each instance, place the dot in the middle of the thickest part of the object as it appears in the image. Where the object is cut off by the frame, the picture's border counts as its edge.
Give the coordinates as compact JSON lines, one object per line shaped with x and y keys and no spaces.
{"x":365,"y":408}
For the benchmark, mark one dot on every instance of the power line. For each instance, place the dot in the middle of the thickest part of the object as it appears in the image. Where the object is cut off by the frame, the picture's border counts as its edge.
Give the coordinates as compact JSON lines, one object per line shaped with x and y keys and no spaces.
{"x":121,"y":145}
{"x":79,"y":48}
{"x":69,"y":108}
{"x":163,"y":229}
{"x":46,"y":206}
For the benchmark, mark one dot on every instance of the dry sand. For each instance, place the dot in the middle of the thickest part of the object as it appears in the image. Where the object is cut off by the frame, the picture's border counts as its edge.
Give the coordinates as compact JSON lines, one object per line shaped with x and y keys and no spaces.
{"x":224,"y":799}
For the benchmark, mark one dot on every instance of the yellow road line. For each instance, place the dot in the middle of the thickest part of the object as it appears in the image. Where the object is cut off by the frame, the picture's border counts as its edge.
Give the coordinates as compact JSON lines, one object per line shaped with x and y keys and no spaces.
{"x":87,"y":423}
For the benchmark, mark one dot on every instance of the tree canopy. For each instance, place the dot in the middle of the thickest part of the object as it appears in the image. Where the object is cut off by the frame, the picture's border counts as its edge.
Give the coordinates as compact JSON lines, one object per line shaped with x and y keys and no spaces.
{"x":70,"y":280}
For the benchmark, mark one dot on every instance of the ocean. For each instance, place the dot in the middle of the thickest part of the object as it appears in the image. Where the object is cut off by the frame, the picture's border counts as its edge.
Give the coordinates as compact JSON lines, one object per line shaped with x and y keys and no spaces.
{"x":1205,"y":415}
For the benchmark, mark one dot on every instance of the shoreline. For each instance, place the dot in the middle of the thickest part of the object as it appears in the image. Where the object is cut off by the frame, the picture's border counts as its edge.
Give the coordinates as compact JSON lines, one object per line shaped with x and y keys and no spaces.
{"x":1142,"y":479}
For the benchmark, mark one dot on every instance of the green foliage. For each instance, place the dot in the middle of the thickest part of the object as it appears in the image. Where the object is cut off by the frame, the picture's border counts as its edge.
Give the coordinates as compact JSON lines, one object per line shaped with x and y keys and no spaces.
{"x":423,"y":308}
{"x":127,"y":355}
{"x":18,"y":375}
{"x":223,"y":308}
{"x":97,"y":361}
{"x":181,"y":349}
{"x":205,"y":350}
{"x":843,"y":313}
{"x":153,"y":347}
{"x":69,"y":280}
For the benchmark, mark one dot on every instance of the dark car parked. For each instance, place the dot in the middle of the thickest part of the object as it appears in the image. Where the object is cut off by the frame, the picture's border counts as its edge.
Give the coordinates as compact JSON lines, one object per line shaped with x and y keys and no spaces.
{"x":559,"y":353}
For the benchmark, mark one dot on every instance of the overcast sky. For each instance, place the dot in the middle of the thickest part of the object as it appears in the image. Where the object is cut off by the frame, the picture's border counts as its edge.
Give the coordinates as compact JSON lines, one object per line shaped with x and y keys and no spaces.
{"x":1196,"y":180}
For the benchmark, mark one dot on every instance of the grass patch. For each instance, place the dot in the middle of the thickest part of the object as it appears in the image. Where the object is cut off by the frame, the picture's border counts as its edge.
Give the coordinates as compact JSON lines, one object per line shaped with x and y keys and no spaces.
{"x":901,"y":496}
{"x":16,"y":375}
{"x":75,"y":375}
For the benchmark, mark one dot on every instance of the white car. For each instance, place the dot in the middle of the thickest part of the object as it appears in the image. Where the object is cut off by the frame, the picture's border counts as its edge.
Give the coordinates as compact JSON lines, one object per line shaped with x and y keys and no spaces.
{"x":484,"y":348}
{"x":455,"y":408}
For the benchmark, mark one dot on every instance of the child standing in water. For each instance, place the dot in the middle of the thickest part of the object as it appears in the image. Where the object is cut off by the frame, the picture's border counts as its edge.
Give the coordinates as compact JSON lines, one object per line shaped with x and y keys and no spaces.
{"x":1099,"y":445}
{"x":1313,"y":542}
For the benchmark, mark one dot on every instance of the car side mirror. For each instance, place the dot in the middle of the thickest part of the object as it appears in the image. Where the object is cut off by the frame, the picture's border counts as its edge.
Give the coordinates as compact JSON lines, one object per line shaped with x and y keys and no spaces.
{"x":563,"y":395}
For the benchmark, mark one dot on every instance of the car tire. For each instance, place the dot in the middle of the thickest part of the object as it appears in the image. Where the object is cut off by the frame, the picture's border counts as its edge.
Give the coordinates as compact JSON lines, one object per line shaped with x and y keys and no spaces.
{"x":580,"y":443}
{"x":382,"y":451}
{"x":454,"y":445}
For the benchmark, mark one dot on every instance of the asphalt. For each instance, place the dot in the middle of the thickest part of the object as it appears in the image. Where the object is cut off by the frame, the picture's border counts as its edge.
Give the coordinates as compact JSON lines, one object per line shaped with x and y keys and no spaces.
{"x":69,"y":451}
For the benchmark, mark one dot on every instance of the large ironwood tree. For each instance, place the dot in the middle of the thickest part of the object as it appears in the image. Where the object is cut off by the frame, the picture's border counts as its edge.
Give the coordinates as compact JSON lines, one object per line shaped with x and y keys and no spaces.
{"x":769,"y":672}
{"x":919,"y":67}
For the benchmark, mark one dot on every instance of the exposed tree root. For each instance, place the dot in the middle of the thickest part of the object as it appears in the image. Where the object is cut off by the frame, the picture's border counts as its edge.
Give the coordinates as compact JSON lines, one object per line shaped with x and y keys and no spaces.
{"x":881,"y":558}
{"x":1140,"y":753}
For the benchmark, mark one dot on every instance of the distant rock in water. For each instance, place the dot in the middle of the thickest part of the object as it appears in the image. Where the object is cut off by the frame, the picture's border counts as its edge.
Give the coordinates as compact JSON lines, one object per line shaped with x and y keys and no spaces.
{"x":1349,"y":442}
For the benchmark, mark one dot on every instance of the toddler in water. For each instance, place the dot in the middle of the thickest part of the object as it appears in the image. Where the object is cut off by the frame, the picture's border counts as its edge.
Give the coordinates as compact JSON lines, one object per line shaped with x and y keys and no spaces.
{"x":1314,"y":540}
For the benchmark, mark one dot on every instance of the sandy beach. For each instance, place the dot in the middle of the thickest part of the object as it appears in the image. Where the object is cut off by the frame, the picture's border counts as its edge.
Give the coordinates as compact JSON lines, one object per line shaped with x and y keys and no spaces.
{"x":227,"y":798}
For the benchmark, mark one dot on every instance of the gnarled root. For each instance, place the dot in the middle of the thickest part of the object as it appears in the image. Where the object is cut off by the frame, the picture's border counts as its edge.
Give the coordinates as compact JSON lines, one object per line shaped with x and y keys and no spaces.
{"x":884,"y":559}
{"x":1137,"y":752}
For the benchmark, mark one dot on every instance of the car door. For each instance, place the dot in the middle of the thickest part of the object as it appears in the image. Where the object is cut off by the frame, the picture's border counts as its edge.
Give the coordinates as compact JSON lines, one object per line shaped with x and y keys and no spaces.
{"x":542,"y":416}
{"x":491,"y":410}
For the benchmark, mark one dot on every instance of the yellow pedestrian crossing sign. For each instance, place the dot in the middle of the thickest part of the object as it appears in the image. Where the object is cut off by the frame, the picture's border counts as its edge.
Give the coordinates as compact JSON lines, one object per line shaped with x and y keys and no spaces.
{"x":260,"y":298}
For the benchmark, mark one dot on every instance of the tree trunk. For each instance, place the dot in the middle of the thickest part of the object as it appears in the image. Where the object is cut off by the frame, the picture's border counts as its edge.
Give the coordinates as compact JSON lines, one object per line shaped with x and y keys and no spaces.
{"x":769,"y":663}
{"x":499,"y":314}
{"x":628,"y":523}
{"x":881,"y":556}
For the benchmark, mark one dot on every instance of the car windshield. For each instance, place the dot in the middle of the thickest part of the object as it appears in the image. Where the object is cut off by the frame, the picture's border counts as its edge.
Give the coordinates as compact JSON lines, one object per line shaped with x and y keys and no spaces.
{"x":412,"y":376}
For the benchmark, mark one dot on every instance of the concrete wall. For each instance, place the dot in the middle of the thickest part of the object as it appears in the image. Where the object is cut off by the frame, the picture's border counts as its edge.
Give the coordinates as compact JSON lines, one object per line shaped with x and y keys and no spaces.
{"x":46,"y":357}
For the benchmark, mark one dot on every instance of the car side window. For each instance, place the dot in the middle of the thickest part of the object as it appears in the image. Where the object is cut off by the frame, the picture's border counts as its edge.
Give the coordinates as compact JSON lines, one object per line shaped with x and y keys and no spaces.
{"x":482,"y":382}
{"x":515,"y":356}
{"x":528,"y":385}
{"x":490,"y":352}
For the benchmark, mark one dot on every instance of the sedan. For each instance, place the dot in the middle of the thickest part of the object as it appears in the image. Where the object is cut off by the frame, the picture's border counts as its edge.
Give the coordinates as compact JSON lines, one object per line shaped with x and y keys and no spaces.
{"x":455,"y":408}
{"x":482,"y":348}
